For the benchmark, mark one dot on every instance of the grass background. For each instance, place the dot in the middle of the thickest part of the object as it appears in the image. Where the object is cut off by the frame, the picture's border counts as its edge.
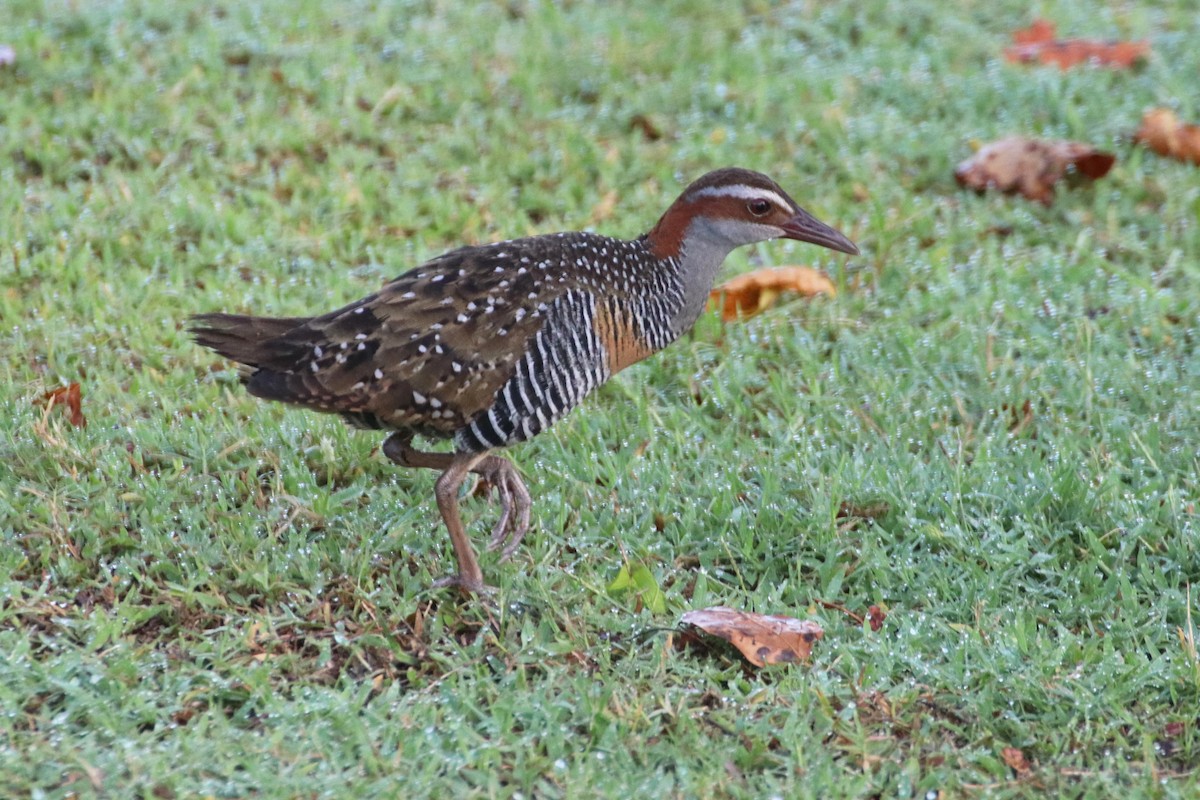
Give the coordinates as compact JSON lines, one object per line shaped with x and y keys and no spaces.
{"x":991,"y":432}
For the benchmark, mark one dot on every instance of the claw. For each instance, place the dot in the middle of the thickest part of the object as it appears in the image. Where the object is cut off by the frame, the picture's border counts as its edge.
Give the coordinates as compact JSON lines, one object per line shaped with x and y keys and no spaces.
{"x":517,"y":532}
{"x":510,"y":528}
{"x":499,"y":531}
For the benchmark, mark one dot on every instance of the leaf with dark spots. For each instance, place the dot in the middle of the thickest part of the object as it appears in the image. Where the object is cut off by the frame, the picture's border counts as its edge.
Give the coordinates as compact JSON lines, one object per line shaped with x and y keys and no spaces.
{"x":1030,"y":167}
{"x":760,"y":638}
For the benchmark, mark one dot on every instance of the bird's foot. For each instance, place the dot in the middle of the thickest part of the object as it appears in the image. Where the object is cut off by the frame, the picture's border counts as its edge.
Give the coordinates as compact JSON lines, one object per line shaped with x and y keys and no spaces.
{"x":515,"y":504}
{"x":467,"y":584}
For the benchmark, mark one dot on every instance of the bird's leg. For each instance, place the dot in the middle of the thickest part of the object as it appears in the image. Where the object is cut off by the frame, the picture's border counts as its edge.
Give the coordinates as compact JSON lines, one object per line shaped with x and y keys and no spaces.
{"x":469,"y":577}
{"x":495,"y":471}
{"x":398,"y":447}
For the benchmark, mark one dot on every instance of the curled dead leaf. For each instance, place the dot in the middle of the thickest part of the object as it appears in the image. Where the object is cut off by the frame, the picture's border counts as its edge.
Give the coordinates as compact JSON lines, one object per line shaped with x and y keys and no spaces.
{"x":1164,"y":133}
{"x":1036,"y":44}
{"x":876,"y":616}
{"x":1015,"y":759}
{"x":69,"y":396}
{"x":747,"y":295}
{"x":1030,"y":167}
{"x":761,"y":638}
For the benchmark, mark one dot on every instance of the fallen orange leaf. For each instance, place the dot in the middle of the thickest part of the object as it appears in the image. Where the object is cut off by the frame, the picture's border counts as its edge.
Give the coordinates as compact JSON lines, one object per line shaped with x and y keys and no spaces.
{"x":1039,"y":31}
{"x":1037,"y":44}
{"x":72,"y":398}
{"x":1030,"y":166}
{"x":747,"y":295}
{"x":1165,"y":134}
{"x":762,"y":639}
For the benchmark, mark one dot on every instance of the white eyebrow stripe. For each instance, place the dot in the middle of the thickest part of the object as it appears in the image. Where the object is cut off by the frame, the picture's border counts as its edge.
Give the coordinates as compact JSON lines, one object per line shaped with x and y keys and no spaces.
{"x":743,"y":192}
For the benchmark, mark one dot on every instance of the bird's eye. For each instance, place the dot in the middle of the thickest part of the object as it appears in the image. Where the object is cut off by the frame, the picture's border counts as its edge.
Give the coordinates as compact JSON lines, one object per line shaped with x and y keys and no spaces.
{"x":759,"y":207}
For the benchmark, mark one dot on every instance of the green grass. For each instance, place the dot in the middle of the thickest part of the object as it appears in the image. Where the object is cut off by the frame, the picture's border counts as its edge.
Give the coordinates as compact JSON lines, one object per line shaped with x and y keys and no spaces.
{"x":206,"y":595}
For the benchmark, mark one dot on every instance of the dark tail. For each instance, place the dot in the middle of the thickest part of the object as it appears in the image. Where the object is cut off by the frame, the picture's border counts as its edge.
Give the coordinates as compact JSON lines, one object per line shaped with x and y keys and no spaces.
{"x":254,"y":341}
{"x":274,"y":351}
{"x":281,"y":358}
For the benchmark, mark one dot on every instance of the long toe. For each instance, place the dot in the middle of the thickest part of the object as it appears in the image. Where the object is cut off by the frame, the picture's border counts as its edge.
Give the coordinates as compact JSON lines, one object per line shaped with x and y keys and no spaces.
{"x":523,"y":503}
{"x":498,"y":474}
{"x":514,"y":542}
{"x":500,"y":530}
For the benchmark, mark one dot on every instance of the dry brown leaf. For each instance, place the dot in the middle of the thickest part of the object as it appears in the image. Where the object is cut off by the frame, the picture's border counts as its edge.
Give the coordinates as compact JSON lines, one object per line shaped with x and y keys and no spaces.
{"x":1015,"y":760}
{"x":1037,"y":44}
{"x":747,"y":295}
{"x":72,"y":398}
{"x":1030,"y":166}
{"x":762,"y":639}
{"x":1164,"y":133}
{"x":876,"y":616}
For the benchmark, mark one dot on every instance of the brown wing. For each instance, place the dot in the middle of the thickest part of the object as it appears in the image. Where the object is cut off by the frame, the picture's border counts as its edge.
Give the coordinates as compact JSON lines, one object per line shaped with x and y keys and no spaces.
{"x":429,"y":350}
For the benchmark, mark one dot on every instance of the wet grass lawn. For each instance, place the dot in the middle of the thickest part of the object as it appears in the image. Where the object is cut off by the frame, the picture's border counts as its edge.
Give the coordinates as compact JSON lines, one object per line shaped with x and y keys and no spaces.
{"x":991,"y":432}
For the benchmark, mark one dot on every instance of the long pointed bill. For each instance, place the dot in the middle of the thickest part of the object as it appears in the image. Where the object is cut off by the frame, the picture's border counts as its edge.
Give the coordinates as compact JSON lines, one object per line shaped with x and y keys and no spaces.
{"x":804,"y":227}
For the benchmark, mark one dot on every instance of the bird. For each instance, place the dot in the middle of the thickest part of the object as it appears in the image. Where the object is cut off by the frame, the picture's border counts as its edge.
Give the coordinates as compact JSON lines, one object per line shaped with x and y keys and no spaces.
{"x":489,"y":345}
